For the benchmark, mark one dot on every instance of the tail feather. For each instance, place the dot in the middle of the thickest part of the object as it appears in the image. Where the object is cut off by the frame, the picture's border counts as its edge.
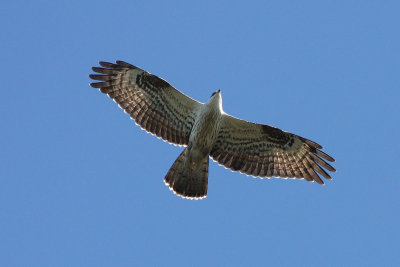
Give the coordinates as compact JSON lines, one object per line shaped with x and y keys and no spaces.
{"x":186,"y":184}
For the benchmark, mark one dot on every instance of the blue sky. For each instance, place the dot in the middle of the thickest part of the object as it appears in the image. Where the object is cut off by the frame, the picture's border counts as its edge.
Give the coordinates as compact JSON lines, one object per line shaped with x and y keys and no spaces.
{"x":82,"y":185}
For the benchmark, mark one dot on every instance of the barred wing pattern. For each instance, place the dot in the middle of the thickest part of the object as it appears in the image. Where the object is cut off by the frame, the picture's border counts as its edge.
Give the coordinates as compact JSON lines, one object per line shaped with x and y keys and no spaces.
{"x":152,"y":102}
{"x":266,"y":151}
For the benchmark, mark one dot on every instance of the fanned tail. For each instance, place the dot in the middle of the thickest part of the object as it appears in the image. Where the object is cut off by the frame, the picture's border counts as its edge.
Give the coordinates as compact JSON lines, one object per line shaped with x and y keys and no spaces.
{"x":187,"y":184}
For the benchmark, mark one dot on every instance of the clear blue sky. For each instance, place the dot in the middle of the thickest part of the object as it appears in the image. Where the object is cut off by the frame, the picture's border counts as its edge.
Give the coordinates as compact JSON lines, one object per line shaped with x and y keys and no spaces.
{"x":82,"y":185}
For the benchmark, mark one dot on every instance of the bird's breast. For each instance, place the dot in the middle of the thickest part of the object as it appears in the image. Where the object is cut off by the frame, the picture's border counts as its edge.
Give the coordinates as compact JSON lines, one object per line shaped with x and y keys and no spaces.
{"x":205,"y":130}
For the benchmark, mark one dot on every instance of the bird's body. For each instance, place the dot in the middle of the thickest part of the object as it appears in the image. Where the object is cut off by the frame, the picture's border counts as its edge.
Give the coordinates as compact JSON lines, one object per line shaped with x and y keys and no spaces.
{"x":207,"y":131}
{"x":189,"y":175}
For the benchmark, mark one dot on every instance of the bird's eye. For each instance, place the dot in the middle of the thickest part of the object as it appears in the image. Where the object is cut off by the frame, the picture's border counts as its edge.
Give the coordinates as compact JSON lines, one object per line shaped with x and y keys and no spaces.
{"x":213,"y":94}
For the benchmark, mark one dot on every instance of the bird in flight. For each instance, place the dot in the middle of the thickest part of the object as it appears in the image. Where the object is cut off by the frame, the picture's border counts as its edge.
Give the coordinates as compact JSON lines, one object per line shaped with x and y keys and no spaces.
{"x":207,"y":131}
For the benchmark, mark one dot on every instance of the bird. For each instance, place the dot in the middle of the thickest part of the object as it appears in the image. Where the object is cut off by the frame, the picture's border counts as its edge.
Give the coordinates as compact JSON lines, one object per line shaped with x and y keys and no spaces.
{"x":206,"y":131}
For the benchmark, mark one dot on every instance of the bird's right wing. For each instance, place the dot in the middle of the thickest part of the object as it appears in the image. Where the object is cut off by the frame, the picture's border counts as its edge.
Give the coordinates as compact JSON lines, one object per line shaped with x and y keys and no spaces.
{"x":265,"y":151}
{"x":153,"y":103}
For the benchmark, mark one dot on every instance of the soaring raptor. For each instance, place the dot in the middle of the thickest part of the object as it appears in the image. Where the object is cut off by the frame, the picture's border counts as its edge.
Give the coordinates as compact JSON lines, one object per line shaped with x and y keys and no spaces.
{"x":207,"y":131}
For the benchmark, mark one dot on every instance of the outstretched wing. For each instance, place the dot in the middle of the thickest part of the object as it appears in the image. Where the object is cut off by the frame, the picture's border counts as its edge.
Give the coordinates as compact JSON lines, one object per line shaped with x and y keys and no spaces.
{"x":265,"y":151}
{"x":153,"y":103}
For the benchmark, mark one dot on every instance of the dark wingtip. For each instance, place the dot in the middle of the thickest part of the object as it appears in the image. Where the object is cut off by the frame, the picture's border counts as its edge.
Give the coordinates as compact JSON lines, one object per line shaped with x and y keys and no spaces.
{"x":97,"y":85}
{"x":324,"y":155}
{"x":107,"y":64}
{"x":319,"y":181}
{"x":312,"y":143}
{"x":126,"y":65}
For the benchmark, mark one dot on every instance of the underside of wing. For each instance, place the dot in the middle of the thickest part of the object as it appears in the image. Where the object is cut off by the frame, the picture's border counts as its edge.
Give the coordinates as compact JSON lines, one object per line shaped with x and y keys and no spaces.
{"x":265,"y":151}
{"x":153,"y":103}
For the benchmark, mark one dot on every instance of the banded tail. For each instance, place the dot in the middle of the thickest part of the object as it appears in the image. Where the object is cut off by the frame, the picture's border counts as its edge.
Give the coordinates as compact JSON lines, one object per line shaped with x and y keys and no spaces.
{"x":184,"y":183}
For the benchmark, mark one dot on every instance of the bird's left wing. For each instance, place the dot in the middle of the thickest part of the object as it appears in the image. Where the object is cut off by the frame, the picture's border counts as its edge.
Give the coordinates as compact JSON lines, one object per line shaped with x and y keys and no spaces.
{"x":153,"y":103}
{"x":266,"y":151}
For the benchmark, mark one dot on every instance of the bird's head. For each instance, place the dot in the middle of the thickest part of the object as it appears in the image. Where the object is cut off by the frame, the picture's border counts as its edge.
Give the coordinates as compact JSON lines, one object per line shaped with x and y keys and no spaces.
{"x":218,"y":92}
{"x":216,"y":99}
